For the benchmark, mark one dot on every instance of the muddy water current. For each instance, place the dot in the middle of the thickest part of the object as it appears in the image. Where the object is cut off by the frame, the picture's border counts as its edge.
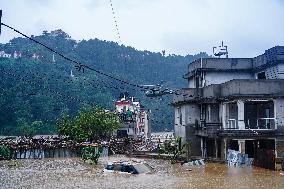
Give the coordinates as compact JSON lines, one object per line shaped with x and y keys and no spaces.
{"x":73,"y":173}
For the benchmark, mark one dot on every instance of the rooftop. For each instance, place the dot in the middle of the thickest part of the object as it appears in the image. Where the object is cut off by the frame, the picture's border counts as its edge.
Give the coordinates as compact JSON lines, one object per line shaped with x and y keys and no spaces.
{"x":271,"y":56}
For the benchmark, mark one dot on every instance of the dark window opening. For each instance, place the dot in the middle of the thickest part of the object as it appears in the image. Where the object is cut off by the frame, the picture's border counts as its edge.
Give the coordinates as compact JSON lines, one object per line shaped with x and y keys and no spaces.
{"x":234,"y":145}
{"x":180,"y":116}
{"x":261,"y":75}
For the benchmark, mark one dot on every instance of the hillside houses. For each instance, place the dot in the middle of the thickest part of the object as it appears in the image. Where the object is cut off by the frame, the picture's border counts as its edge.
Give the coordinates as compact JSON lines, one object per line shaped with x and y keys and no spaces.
{"x":17,"y":54}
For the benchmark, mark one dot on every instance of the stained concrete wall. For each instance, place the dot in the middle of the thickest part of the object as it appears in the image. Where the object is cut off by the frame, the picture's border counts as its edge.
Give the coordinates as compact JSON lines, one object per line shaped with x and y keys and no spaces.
{"x":221,"y":63}
{"x":280,"y":71}
{"x":279,"y":113}
{"x":279,"y":144}
{"x":272,"y":72}
{"x":253,"y":87}
{"x":222,"y":77}
{"x":190,"y":113}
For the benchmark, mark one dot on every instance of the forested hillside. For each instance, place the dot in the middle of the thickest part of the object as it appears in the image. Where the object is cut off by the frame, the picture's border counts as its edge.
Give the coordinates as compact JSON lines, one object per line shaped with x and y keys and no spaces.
{"x":37,"y":86}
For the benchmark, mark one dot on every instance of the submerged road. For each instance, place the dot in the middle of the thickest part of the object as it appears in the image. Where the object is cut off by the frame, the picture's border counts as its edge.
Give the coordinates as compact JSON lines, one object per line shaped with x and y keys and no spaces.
{"x":73,"y":173}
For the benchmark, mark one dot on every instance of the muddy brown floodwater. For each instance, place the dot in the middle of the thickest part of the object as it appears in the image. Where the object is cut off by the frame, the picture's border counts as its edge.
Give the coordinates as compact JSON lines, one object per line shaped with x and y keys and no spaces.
{"x":73,"y":173}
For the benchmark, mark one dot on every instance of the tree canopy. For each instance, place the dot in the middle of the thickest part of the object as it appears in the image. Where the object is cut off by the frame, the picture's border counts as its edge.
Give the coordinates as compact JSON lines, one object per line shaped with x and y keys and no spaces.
{"x":89,"y":125}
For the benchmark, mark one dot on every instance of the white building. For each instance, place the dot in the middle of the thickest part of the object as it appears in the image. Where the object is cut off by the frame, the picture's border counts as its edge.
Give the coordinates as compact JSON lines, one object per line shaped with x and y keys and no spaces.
{"x":234,"y":103}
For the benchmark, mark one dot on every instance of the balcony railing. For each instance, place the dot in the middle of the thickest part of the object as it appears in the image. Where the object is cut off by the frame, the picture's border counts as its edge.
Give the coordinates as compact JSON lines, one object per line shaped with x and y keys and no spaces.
{"x":232,"y":124}
{"x":209,"y":127}
{"x":259,"y":123}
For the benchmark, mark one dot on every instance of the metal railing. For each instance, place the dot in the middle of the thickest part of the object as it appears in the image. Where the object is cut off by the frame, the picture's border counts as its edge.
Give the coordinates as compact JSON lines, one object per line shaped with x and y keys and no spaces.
{"x":210,"y":127}
{"x":262,"y":123}
{"x":259,"y":123}
{"x":232,"y":124}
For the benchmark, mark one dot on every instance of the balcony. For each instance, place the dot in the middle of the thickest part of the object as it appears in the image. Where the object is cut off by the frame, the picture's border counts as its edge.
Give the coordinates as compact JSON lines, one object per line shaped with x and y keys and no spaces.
{"x":209,"y":129}
{"x":250,"y":124}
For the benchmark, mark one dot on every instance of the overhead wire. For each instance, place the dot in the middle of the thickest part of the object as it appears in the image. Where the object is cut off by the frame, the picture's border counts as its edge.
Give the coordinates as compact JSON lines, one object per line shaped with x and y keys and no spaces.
{"x":79,"y":66}
{"x":115,"y":21}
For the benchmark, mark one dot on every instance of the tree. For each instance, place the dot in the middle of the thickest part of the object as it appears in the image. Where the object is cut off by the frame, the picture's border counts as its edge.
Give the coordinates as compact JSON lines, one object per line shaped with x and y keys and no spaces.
{"x":175,"y":148}
{"x":26,"y":130}
{"x":89,"y":125}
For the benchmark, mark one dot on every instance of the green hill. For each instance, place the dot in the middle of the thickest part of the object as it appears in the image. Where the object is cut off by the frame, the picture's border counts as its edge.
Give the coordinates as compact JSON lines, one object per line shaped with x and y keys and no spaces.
{"x":40,"y":89}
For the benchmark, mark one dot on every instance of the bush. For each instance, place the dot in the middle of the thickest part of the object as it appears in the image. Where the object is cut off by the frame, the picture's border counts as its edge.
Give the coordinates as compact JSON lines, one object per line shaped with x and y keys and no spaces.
{"x":92,"y":153}
{"x":5,"y":152}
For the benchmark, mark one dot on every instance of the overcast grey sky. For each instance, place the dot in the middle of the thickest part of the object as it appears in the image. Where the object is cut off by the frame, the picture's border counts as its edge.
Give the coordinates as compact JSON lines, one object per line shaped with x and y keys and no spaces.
{"x":248,"y":27}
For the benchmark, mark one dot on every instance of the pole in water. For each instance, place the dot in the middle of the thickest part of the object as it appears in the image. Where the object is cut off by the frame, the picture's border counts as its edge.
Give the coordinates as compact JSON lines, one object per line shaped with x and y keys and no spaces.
{"x":0,"y":20}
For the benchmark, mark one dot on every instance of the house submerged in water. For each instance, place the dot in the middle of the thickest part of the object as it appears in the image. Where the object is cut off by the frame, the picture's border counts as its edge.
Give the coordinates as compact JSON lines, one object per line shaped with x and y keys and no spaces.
{"x":234,"y":103}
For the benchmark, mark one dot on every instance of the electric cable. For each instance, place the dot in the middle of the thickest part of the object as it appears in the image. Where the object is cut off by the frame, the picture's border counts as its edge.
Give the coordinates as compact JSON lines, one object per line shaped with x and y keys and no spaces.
{"x":79,"y":66}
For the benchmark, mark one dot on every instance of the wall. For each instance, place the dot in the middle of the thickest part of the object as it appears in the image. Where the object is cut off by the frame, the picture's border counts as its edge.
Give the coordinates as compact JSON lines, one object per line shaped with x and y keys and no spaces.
{"x":190,"y":112}
{"x":279,"y":144}
{"x":222,"y":77}
{"x":253,"y":87}
{"x":280,"y":71}
{"x":272,"y":72}
{"x":279,"y":113}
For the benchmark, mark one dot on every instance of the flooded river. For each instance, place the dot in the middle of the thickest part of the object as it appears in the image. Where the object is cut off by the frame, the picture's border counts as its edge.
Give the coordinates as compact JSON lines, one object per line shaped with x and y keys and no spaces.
{"x":73,"y":173}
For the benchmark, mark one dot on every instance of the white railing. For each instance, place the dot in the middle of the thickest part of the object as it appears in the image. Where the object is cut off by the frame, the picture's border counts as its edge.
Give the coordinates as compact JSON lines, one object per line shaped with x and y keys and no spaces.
{"x":232,"y":124}
{"x":265,"y":123}
{"x":259,"y":123}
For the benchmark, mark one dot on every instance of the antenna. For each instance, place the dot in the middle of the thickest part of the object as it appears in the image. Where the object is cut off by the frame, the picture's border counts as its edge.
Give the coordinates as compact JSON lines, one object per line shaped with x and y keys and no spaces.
{"x":221,"y":50}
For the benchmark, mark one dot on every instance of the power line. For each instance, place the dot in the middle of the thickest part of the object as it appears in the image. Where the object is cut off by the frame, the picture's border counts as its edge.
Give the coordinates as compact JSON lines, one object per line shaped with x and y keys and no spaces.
{"x":115,"y":21}
{"x":79,"y":66}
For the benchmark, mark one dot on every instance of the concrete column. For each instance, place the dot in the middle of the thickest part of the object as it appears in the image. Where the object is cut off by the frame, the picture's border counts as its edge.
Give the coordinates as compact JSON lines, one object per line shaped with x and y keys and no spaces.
{"x":241,"y":114}
{"x":223,"y":149}
{"x":242,"y":146}
{"x":216,"y":148}
{"x":202,"y":147}
{"x":224,"y":112}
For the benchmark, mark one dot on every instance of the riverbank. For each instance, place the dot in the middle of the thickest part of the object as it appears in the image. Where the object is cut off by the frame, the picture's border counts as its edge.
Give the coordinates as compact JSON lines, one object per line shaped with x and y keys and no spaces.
{"x":74,"y":173}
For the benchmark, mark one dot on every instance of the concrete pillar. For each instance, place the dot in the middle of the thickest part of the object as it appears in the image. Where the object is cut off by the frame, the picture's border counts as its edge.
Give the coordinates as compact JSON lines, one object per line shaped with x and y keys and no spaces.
{"x":202,"y":147}
{"x":225,"y":148}
{"x":224,"y":118}
{"x":216,"y":148}
{"x":242,"y":146}
{"x":241,"y":114}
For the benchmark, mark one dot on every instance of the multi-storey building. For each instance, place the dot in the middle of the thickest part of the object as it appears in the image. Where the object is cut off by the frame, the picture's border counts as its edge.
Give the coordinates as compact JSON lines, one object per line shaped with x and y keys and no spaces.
{"x":234,"y":103}
{"x":135,"y":118}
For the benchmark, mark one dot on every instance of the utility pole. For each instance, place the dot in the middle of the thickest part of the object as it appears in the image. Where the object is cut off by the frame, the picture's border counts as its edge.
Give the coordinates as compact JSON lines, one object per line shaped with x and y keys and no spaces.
{"x":0,"y":20}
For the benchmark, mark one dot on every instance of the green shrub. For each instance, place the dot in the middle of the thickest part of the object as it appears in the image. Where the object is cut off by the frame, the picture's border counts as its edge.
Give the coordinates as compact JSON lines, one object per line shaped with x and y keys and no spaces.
{"x":5,"y":152}
{"x":92,"y":153}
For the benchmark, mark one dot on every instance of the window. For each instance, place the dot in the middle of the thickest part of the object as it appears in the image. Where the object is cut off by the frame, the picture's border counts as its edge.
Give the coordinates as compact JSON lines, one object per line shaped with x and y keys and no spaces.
{"x":261,"y":75}
{"x":180,"y":116}
{"x":197,"y":82}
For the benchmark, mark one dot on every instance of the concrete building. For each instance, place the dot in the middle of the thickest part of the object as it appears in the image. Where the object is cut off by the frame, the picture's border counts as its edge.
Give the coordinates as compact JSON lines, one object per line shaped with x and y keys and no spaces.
{"x":135,"y":118}
{"x":234,"y":103}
